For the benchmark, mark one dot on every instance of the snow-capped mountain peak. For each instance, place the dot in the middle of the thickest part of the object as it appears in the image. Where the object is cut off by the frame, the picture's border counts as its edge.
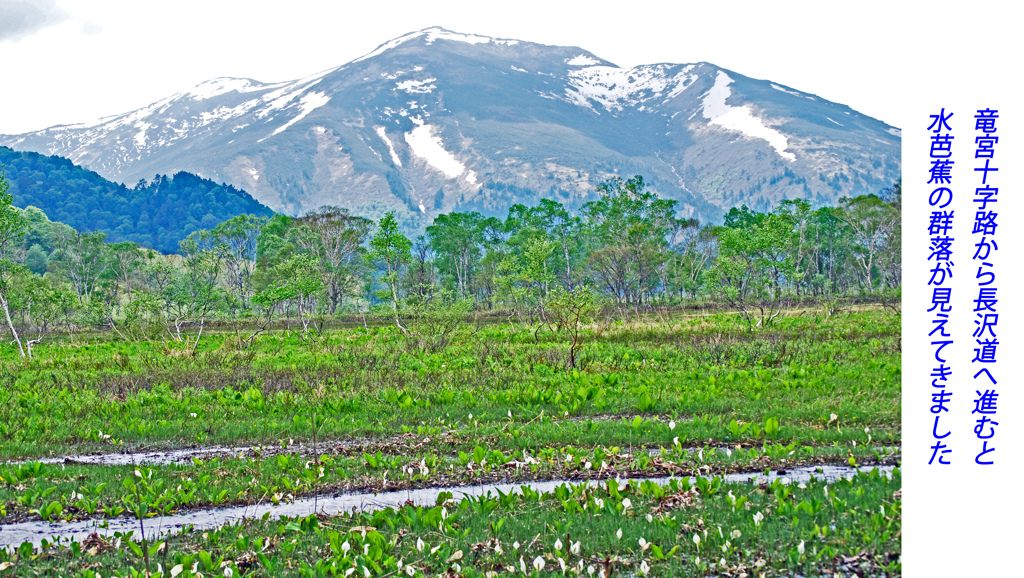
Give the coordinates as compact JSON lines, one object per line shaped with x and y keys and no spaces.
{"x":437,"y":120}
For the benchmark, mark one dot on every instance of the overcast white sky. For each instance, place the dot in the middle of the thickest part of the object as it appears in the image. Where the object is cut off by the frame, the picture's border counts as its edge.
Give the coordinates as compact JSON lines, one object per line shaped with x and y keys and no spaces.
{"x":68,"y":61}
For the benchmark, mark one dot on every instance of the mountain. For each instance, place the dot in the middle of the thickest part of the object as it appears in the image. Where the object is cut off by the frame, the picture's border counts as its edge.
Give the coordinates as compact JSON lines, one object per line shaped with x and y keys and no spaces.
{"x":155,"y":214}
{"x":436,"y":121}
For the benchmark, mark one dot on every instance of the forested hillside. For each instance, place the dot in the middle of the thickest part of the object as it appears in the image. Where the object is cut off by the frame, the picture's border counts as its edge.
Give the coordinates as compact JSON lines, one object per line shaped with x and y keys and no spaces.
{"x":156,"y":214}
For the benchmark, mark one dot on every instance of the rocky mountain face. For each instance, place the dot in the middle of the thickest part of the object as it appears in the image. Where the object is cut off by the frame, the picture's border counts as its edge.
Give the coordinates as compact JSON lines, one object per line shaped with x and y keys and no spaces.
{"x":436,"y":121}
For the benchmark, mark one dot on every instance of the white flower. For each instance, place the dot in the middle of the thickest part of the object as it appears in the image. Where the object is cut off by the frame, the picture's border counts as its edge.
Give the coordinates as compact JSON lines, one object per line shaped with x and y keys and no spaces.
{"x":675,"y":441}
{"x":400,"y":564}
{"x":644,"y":568}
{"x":515,"y":545}
{"x":696,"y":539}
{"x":538,"y":563}
{"x":643,"y":544}
{"x":471,"y":416}
{"x":558,"y":543}
{"x":444,"y":513}
{"x":177,"y":570}
{"x":627,"y":504}
{"x":193,"y":414}
{"x":671,"y":425}
{"x":618,"y":533}
{"x":590,"y":569}
{"x":800,"y":548}
{"x":346,"y":547}
{"x":575,"y":548}
{"x":228,"y":572}
{"x":587,"y":465}
{"x":510,"y":414}
{"x":736,"y":534}
{"x":499,"y":549}
{"x":522,"y":564}
{"x":561,"y":564}
{"x":757,"y":518}
{"x":650,"y":518}
{"x":419,"y":544}
{"x":410,"y":571}
{"x":366,"y":572}
{"x":599,"y":503}
{"x":366,"y":549}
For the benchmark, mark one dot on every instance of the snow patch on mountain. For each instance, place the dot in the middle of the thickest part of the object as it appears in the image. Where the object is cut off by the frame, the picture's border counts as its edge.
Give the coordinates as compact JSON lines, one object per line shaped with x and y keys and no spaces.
{"x":307,"y":104}
{"x":219,"y":86}
{"x":786,"y":90}
{"x":895,"y":132}
{"x":442,"y":34}
{"x":140,"y":137}
{"x":391,"y":148}
{"x":582,"y":60}
{"x":614,"y":88}
{"x":432,"y":35}
{"x":739,"y":118}
{"x":682,"y":80}
{"x":427,"y":146}
{"x":417,"y":86}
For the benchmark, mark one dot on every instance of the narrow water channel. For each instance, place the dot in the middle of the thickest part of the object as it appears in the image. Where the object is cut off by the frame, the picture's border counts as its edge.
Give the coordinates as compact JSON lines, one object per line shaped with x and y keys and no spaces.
{"x":35,"y":532}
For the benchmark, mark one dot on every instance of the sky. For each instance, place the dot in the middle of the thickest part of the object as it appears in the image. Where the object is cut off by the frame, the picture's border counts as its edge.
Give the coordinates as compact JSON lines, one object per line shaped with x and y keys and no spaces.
{"x":77,"y":60}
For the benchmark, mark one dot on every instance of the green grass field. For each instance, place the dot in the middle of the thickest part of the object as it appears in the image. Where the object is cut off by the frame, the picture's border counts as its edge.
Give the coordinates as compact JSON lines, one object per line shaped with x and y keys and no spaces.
{"x":367,"y":410}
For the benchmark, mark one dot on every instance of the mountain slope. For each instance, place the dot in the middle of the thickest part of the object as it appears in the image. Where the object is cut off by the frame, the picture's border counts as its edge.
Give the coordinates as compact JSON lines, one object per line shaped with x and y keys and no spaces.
{"x":435,"y":121}
{"x":156,"y":214}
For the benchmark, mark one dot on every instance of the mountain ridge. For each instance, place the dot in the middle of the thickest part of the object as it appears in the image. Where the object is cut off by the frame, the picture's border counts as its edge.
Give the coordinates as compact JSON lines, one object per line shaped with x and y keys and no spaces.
{"x":435,"y":121}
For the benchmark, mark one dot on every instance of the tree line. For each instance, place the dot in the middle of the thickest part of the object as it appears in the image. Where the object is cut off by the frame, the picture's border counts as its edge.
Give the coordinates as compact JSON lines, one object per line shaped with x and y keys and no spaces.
{"x":628,"y":249}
